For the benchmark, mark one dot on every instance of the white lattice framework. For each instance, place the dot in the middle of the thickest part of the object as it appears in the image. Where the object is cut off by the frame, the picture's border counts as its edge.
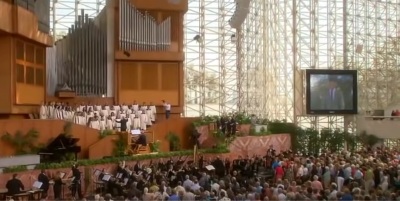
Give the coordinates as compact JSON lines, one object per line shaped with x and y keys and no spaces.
{"x":63,"y":13}
{"x":211,"y":78}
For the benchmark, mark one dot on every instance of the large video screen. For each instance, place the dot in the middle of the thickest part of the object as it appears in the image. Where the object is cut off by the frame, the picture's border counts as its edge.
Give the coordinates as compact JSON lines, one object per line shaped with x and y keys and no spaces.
{"x":331,"y":92}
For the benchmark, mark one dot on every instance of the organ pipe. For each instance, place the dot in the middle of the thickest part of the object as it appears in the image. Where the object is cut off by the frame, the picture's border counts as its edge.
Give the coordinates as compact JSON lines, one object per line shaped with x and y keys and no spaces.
{"x":81,"y":56}
{"x":140,"y":31}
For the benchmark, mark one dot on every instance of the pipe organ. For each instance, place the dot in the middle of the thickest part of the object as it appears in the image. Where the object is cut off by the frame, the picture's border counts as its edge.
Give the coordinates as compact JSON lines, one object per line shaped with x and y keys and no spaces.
{"x":81,"y":56}
{"x":140,"y":31}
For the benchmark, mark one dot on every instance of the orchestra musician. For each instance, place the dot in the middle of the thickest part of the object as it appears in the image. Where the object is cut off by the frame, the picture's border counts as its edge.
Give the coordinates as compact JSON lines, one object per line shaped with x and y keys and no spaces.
{"x":14,"y":186}
{"x":45,"y":182}
{"x":76,"y":186}
{"x":57,"y":188}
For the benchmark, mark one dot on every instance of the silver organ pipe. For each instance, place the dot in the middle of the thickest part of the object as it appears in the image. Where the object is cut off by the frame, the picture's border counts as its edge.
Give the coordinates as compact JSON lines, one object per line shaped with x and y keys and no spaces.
{"x":141,"y":31}
{"x":81,"y":56}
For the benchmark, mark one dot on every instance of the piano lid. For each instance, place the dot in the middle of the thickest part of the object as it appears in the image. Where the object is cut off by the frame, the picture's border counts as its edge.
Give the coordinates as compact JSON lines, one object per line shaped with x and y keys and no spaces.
{"x":63,"y":141}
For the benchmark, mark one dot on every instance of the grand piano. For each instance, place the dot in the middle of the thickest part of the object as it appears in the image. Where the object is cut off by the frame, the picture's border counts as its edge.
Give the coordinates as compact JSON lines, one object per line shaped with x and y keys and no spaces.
{"x":59,"y":149}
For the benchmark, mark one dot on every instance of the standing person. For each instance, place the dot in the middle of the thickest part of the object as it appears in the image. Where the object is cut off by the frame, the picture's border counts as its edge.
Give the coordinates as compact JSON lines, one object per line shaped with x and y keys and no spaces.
{"x":76,"y":182}
{"x":57,"y":188}
{"x":167,"y":108}
{"x":45,"y":182}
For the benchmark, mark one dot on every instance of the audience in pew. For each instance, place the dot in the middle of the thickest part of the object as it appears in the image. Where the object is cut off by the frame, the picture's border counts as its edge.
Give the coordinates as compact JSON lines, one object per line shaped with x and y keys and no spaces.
{"x":113,"y":117}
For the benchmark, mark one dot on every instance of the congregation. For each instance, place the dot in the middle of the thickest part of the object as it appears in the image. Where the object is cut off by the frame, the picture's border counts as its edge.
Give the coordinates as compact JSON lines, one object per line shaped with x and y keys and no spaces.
{"x":370,"y":174}
{"x":103,"y":117}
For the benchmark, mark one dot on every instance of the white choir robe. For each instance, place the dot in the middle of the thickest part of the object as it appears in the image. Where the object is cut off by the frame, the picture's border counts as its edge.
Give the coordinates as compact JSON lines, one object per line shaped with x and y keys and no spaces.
{"x":105,"y":113}
{"x":97,"y":107}
{"x":143,"y":107}
{"x":110,"y":124}
{"x":136,"y":123}
{"x":117,"y":107}
{"x":135,"y":108}
{"x":69,"y":115}
{"x":51,"y":112}
{"x":131,"y":117}
{"x":43,"y":112}
{"x":58,"y":113}
{"x":89,"y":108}
{"x":129,"y":111}
{"x":81,"y":108}
{"x":80,"y":119}
{"x":89,"y":115}
{"x":129,"y":125}
{"x":154,"y":110}
{"x":117,"y":124}
{"x":95,"y":124}
{"x":107,"y":107}
{"x":103,"y":124}
{"x":149,"y":114}
{"x":112,"y":111}
{"x":124,"y":108}
{"x":143,"y":121}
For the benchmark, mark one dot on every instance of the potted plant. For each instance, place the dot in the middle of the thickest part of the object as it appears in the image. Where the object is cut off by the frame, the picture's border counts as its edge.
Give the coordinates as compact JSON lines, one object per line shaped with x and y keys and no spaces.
{"x":155,"y":146}
{"x":174,"y":141}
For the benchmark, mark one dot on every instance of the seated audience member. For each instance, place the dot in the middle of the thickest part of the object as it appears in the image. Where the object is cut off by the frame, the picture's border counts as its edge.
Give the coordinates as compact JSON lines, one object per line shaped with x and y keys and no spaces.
{"x":14,"y":186}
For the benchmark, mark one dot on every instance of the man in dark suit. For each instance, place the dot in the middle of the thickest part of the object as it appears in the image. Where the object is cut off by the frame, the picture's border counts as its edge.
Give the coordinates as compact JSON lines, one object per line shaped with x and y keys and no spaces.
{"x":76,"y":187}
{"x":332,"y":98}
{"x":45,"y":182}
{"x":14,"y":186}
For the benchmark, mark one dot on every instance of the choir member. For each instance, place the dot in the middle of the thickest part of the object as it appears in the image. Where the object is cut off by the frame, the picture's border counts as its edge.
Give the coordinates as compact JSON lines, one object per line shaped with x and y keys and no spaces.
{"x":104,"y":111}
{"x":143,"y":106}
{"x":154,"y":111}
{"x":51,"y":108}
{"x":118,"y":123}
{"x":135,"y":107}
{"x":143,"y":120}
{"x":112,"y":110}
{"x":110,"y":123}
{"x":43,"y":111}
{"x":149,"y":114}
{"x":167,"y":108}
{"x":94,"y":122}
{"x":117,"y":108}
{"x":124,"y":107}
{"x":103,"y":122}
{"x":136,"y":122}
{"x":98,"y":107}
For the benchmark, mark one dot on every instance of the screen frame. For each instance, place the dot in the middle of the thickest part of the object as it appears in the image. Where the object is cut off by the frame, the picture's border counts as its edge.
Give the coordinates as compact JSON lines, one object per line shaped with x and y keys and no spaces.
{"x":310,"y":72}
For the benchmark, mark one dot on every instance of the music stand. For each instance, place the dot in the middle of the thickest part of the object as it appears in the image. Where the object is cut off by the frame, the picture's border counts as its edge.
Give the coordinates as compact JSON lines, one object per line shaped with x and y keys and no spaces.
{"x":210,"y":167}
{"x":106,"y":177}
{"x":37,"y":185}
{"x":119,"y":175}
{"x":97,"y":172}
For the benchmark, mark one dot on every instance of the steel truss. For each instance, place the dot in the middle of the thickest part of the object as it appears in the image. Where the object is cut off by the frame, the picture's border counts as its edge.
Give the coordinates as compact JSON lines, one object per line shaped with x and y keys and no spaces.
{"x":64,"y":13}
{"x":210,"y":76}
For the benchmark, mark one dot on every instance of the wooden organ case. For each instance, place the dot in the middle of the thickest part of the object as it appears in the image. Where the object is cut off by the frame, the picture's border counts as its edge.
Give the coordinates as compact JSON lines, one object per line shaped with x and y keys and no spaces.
{"x":149,"y":51}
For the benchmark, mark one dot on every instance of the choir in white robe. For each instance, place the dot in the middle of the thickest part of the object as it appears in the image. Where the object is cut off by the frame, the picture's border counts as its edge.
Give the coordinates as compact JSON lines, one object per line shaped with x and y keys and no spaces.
{"x":143,"y":121}
{"x":118,"y":124}
{"x":149,"y":114}
{"x":97,"y":107}
{"x":43,"y":112}
{"x":103,"y":124}
{"x":50,"y":110}
{"x":136,"y":122}
{"x":124,"y":108}
{"x":154,"y":110}
{"x":135,"y":107}
{"x":117,"y":108}
{"x":110,"y":123}
{"x":95,"y":124}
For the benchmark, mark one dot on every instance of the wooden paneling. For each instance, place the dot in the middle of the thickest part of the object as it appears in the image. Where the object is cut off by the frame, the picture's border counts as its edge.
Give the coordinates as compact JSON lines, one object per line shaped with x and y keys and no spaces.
{"x":6,"y":65}
{"x":170,"y":76}
{"x":155,"y":96}
{"x":29,"y":94}
{"x":5,"y":17}
{"x":181,"y":5}
{"x":129,"y":78}
{"x":82,"y":100}
{"x":149,"y":76}
{"x":48,"y":129}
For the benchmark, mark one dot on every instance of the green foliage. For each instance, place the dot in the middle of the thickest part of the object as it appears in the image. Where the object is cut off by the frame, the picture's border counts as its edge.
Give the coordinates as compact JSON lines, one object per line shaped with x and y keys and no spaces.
{"x":205,"y":120}
{"x":120,"y":146}
{"x":242,"y":118}
{"x":368,"y":140}
{"x":155,"y":146}
{"x":262,"y":132}
{"x":105,"y":133}
{"x":68,"y":164}
{"x":23,"y":143}
{"x":174,"y":141}
{"x":19,"y":168}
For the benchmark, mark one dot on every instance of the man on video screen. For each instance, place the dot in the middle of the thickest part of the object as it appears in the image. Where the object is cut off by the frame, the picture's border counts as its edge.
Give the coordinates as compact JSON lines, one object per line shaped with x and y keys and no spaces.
{"x":332,"y":97}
